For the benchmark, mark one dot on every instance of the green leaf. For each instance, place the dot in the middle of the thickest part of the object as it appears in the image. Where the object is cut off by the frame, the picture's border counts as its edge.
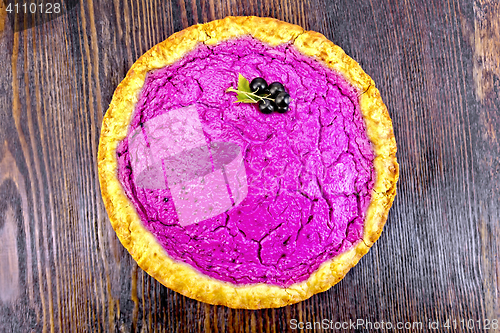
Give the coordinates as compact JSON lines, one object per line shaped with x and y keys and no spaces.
{"x":243,"y":90}
{"x":243,"y":84}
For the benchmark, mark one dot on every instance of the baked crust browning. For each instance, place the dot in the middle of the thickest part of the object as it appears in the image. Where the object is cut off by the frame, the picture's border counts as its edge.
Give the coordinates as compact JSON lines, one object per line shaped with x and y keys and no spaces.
{"x":144,"y":247}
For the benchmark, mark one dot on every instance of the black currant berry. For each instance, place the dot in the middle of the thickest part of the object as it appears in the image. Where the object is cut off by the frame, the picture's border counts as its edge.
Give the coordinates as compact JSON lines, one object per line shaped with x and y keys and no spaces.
{"x":282,"y":109}
{"x":258,"y":85}
{"x":275,"y":88}
{"x":266,"y":106}
{"x":283,"y":99}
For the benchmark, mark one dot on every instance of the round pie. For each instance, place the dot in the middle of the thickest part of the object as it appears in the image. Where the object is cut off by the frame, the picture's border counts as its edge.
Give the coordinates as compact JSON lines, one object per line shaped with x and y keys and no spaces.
{"x":228,"y":205}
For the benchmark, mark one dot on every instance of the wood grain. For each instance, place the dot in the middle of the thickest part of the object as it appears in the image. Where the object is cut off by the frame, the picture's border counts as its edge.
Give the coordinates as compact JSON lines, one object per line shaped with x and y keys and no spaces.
{"x":437,"y":65}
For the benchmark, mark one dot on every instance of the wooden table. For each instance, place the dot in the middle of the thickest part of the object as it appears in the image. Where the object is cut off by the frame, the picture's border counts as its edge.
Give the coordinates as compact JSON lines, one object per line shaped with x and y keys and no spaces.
{"x":437,"y":65}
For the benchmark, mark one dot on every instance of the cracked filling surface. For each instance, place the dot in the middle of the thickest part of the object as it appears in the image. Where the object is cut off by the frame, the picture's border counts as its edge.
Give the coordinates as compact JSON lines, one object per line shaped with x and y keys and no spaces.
{"x":309,"y":172}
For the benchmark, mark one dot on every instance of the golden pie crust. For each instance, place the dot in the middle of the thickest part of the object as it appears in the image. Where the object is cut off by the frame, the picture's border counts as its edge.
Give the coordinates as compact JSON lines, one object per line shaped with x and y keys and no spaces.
{"x":144,"y":247}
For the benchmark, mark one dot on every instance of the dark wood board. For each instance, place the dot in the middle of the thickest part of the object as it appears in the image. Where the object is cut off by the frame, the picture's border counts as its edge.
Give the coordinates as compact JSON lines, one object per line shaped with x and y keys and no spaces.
{"x":437,"y":65}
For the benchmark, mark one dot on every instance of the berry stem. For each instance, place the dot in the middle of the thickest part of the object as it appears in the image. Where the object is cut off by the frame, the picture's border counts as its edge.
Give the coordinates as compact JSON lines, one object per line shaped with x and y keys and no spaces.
{"x":250,"y":95}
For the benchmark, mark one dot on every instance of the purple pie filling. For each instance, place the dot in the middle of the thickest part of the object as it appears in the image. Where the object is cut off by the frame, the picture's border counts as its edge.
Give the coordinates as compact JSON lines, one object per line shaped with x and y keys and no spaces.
{"x":308,"y":174}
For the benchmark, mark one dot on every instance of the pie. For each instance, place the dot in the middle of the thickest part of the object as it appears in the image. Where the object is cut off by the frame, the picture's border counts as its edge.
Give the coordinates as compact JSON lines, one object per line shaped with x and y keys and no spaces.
{"x":230,"y":206}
